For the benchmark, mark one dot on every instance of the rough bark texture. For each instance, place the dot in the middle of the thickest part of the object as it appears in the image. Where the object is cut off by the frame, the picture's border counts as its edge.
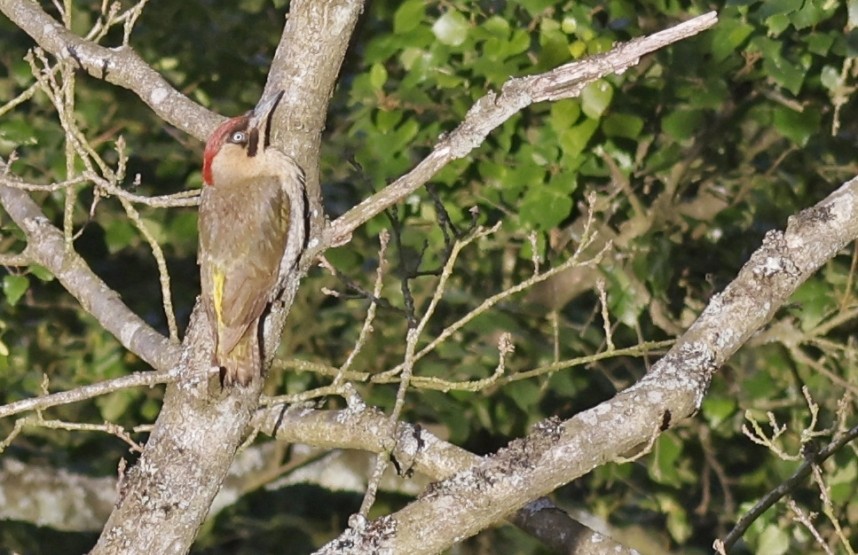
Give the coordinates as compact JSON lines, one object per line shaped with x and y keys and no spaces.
{"x":165,"y":497}
{"x":558,"y":452}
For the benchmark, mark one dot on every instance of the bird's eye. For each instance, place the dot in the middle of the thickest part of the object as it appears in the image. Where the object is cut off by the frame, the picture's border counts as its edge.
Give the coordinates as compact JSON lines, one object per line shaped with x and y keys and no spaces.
{"x":238,"y":137}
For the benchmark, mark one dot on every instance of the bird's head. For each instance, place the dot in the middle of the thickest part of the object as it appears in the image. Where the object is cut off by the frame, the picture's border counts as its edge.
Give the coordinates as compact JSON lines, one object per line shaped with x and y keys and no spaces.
{"x":233,"y":150}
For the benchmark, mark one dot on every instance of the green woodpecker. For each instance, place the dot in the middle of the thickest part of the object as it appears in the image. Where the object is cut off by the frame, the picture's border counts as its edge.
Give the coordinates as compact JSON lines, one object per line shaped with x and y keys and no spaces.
{"x":253,"y":227}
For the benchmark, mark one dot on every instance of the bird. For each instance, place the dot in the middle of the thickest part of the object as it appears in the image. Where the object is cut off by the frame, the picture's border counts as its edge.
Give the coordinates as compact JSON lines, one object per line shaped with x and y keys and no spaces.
{"x":253,"y":228}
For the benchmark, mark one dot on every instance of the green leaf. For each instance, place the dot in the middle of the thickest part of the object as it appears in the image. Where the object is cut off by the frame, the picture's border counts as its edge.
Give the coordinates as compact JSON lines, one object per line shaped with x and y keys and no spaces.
{"x":842,"y":482}
{"x":596,"y":97}
{"x":627,"y":126}
{"x":718,"y":409}
{"x":564,"y":114}
{"x":830,"y":78}
{"x":677,"y":523}
{"x":773,"y":541}
{"x":554,"y":46}
{"x":408,"y":16}
{"x":820,"y":43}
{"x":536,"y":7}
{"x":451,"y":28}
{"x":758,"y":385}
{"x":545,"y":206}
{"x":119,"y":233}
{"x":377,"y":76}
{"x":682,"y":124}
{"x":797,"y":126}
{"x":523,"y":174}
{"x":666,"y":452}
{"x":41,"y":273}
{"x":815,"y":302}
{"x":784,"y":72}
{"x":496,"y":26}
{"x":14,"y":287}
{"x":575,"y":139}
{"x":387,"y":120}
{"x":777,"y":24}
{"x":17,"y":131}
{"x":403,"y":136}
{"x":771,"y":8}
{"x":113,"y":405}
{"x":728,"y":36}
{"x":810,"y":15}
{"x":525,"y":394}
{"x":519,"y":42}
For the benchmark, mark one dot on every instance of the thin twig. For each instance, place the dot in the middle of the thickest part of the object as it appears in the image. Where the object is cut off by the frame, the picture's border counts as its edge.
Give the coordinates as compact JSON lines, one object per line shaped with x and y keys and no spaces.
{"x":19,"y":259}
{"x":787,"y":486}
{"x":606,"y":317}
{"x":366,"y":329}
{"x":82,"y":393}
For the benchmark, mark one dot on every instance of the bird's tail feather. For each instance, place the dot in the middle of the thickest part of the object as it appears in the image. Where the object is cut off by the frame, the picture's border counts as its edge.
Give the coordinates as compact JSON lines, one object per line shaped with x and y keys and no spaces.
{"x":242,"y":364}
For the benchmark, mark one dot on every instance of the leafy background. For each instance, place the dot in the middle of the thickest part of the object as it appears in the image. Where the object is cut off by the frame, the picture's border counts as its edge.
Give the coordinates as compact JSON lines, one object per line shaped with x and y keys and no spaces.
{"x":692,"y":156}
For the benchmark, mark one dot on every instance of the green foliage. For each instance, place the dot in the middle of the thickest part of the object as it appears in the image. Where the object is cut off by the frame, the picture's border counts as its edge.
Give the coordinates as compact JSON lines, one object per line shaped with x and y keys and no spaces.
{"x":692,"y":156}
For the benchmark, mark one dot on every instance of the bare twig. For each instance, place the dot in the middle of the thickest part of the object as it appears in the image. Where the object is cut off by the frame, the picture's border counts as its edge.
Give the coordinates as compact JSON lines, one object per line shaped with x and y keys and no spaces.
{"x":82,"y":393}
{"x":120,"y":66}
{"x":19,"y":259}
{"x":606,"y":317}
{"x":807,"y":521}
{"x":787,"y":486}
{"x":495,"y":299}
{"x":184,"y":198}
{"x":366,"y":329}
{"x":38,"y":422}
{"x":47,"y":247}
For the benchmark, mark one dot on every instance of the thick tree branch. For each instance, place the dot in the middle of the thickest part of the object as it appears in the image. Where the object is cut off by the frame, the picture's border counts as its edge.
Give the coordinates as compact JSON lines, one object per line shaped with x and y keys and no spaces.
{"x":167,"y":494}
{"x":46,"y":246}
{"x":558,"y":452}
{"x":493,"y":109}
{"x":420,"y":451}
{"x":120,"y":66}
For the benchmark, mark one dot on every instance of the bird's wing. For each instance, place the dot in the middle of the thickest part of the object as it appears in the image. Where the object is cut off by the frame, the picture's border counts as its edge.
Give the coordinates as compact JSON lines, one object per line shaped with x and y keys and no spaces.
{"x":250,"y":260}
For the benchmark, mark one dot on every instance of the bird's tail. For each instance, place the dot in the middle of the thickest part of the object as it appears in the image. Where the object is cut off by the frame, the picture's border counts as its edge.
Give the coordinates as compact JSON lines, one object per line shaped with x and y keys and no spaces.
{"x":243,"y":362}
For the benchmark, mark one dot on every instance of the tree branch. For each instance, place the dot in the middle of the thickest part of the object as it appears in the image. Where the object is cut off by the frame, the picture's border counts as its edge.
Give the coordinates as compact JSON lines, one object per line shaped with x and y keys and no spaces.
{"x":558,"y":452}
{"x":786,"y":487}
{"x":420,"y":451}
{"x":120,"y":66}
{"x":46,"y":246}
{"x":165,"y":497}
{"x":492,"y":110}
{"x":85,"y":392}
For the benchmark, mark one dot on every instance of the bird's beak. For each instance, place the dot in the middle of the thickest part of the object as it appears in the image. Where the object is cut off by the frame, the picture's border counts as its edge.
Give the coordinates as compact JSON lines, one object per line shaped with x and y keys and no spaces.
{"x":260,"y":117}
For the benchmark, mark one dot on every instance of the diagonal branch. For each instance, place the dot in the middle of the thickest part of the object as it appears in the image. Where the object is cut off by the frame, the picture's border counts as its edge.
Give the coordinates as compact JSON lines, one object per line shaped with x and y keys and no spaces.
{"x":493,"y":109}
{"x":787,"y":487}
{"x":420,"y":451}
{"x":120,"y":66}
{"x":46,"y":246}
{"x":558,"y":452}
{"x":87,"y":392}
